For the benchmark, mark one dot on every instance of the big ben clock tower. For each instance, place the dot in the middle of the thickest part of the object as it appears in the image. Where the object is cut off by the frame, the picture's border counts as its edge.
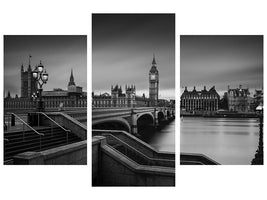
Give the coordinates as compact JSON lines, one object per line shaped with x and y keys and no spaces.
{"x":153,"y":84}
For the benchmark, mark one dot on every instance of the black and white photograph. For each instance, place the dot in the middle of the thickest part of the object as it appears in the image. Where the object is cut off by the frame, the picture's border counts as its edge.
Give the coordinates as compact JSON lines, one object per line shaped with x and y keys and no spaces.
{"x":133,"y":100}
{"x":45,"y":100}
{"x":158,"y":89}
{"x":221,"y":100}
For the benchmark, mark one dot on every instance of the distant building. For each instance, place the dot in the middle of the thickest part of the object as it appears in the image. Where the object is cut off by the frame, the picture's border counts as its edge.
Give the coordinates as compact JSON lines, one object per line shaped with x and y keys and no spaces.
{"x":120,"y":99}
{"x":200,"y":101}
{"x":72,"y":97}
{"x":28,"y":84}
{"x":238,"y":99}
{"x":163,"y":103}
{"x":102,"y":100}
{"x":258,"y":97}
{"x":223,"y":103}
{"x":142,"y":101}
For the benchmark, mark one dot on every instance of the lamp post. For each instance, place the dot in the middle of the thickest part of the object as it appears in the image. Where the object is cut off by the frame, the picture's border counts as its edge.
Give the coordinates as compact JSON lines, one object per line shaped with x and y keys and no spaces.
{"x":260,"y":109}
{"x":41,"y":77}
{"x":258,"y":160}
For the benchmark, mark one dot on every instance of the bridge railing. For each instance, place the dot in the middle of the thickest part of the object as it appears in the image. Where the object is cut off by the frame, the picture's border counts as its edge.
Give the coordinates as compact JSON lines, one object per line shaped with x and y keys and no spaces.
{"x":121,"y":110}
{"x":99,"y":113}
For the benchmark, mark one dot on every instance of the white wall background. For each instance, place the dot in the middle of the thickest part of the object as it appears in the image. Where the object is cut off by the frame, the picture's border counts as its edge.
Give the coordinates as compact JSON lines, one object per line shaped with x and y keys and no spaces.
{"x":74,"y":17}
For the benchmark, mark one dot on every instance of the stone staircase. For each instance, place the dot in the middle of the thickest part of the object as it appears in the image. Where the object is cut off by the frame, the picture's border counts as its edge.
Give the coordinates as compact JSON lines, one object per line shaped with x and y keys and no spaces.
{"x":131,"y":154}
{"x":127,"y":161}
{"x":131,"y":148}
{"x":16,"y":142}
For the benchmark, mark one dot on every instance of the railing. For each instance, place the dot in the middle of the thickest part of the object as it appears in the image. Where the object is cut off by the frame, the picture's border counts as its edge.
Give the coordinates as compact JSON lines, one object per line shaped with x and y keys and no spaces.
{"x":51,"y":120}
{"x":190,"y":158}
{"x":114,"y":111}
{"x":138,"y":170}
{"x":31,"y":128}
{"x":133,"y":141}
{"x":9,"y":120}
{"x":148,"y":160}
{"x":80,"y":116}
{"x":76,"y":127}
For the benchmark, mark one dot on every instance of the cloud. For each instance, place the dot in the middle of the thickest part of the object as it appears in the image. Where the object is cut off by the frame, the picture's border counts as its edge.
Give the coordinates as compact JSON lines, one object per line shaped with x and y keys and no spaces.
{"x":222,"y":61}
{"x":123,"y":46}
{"x":59,"y":54}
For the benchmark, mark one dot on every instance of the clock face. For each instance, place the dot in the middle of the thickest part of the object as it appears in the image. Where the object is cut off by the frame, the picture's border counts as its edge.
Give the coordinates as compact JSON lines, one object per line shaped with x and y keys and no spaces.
{"x":153,"y":77}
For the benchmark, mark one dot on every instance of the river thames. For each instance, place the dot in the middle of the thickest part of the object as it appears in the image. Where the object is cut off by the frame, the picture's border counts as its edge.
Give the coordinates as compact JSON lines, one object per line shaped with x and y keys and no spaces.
{"x":225,"y":140}
{"x":162,"y":139}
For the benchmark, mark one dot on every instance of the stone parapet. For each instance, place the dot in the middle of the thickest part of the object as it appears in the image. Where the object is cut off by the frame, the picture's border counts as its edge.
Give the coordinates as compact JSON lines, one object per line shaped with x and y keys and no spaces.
{"x":71,"y":154}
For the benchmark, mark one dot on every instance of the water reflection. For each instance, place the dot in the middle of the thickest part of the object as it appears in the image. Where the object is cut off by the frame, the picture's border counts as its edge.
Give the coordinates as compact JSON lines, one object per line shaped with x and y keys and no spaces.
{"x":163,"y":139}
{"x":228,"y":141}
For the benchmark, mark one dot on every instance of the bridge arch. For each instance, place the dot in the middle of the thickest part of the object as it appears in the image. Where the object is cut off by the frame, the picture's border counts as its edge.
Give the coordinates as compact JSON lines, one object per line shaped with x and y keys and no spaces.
{"x":146,"y":113}
{"x":145,"y":122}
{"x":115,"y":123}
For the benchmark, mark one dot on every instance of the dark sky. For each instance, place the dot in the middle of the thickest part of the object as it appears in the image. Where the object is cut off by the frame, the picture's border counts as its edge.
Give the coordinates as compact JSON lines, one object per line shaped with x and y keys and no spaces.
{"x":59,"y":54}
{"x":123,"y":47}
{"x":221,"y":61}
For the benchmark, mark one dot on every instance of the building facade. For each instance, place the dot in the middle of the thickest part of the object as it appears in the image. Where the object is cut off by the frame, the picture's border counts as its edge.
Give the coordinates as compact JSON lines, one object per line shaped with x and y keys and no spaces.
{"x":258,"y":97}
{"x":238,"y":99}
{"x":57,"y":98}
{"x":28,"y":84}
{"x":117,"y":97}
{"x":122,"y":100}
{"x":154,"y":84}
{"x":200,"y":101}
{"x":102,"y":100}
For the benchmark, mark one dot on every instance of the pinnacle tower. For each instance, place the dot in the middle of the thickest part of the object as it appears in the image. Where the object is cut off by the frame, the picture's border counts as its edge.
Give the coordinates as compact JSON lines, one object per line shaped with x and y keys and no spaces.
{"x":71,"y":79}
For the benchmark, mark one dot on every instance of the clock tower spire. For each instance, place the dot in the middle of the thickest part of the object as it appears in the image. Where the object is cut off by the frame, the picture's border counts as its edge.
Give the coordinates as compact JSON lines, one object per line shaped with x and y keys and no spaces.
{"x":153,"y":83}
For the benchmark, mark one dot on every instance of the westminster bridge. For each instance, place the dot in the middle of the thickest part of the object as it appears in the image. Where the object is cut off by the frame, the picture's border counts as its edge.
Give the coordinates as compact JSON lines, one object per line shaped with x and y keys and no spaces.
{"x":130,"y":119}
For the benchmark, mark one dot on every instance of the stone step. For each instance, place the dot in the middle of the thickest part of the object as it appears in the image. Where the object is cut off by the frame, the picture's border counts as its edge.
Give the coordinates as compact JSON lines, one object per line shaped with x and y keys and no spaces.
{"x":16,"y":145}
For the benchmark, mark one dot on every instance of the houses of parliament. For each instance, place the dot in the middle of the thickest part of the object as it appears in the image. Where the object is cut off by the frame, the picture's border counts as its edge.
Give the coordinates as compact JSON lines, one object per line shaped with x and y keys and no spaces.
{"x":72,"y":97}
{"x":129,"y":99}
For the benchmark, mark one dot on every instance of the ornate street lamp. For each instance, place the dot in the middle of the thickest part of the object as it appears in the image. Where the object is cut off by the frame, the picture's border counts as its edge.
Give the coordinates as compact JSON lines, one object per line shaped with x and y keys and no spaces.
{"x":258,"y":160}
{"x":41,"y":77}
